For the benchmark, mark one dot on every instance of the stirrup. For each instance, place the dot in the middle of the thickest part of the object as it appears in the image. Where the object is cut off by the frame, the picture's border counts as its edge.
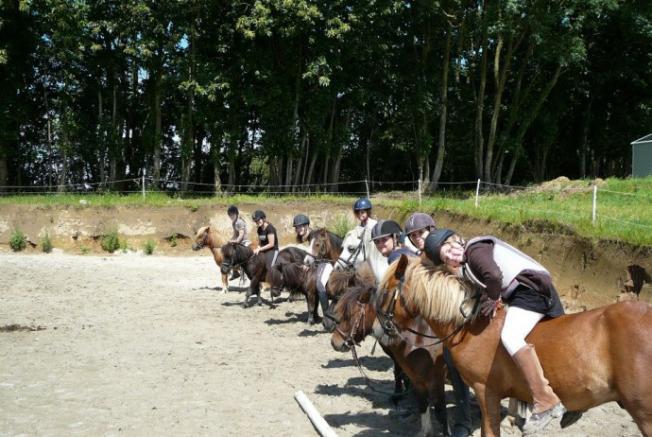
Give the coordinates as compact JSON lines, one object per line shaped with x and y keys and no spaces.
{"x":538,"y":421}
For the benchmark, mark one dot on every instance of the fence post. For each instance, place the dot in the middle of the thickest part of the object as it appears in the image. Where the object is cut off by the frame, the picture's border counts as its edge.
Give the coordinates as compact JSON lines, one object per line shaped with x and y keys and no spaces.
{"x":419,"y":188}
{"x":143,"y":184}
{"x":366,"y":184}
{"x":477,"y":193}
{"x":595,"y":204}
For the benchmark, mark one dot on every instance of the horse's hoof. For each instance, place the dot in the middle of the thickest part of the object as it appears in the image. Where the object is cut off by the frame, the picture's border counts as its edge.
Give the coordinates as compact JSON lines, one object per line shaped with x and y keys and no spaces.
{"x":569,"y":418}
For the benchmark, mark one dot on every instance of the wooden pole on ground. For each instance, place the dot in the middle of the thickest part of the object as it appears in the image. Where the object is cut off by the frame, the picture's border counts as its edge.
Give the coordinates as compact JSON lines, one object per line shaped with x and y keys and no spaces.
{"x":318,"y":422}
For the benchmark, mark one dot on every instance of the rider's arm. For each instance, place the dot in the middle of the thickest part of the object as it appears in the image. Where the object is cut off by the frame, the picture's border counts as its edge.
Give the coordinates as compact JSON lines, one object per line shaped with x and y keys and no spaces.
{"x":240,"y":236}
{"x":480,"y":258}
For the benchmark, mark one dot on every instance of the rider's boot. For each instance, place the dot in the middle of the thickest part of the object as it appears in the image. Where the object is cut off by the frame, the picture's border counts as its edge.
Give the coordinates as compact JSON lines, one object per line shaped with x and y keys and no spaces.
{"x":235,"y":274}
{"x":322,"y":294}
{"x":547,"y":405}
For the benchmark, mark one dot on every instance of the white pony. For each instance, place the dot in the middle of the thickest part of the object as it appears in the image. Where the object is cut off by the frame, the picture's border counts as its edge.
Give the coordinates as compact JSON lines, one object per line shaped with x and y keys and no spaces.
{"x":357,"y":247}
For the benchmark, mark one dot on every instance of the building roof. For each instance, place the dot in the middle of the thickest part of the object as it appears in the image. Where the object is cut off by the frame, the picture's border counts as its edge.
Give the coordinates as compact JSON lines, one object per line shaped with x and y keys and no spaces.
{"x":643,"y":140}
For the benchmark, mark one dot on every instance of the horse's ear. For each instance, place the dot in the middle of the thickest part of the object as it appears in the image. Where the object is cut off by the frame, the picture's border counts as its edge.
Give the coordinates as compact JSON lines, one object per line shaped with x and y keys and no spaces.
{"x":400,"y":267}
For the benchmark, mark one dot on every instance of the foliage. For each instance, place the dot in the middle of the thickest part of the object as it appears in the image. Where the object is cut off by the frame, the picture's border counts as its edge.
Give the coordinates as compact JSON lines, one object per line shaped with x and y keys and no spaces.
{"x":111,"y":242}
{"x":46,"y":243}
{"x":149,"y":247}
{"x":18,"y":240}
{"x":342,"y":225}
{"x":173,"y":241}
{"x":215,"y":95}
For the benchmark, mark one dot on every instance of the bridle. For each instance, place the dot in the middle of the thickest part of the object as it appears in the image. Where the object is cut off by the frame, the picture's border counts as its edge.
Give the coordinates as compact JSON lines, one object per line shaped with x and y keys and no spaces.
{"x":348,"y":263}
{"x":203,"y":242}
{"x":349,"y":339}
{"x":390,"y":328}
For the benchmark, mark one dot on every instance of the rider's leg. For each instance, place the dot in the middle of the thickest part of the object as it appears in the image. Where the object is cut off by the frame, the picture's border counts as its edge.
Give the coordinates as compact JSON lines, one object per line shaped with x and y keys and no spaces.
{"x":322,"y":280}
{"x":462,"y":425}
{"x":546,"y":405}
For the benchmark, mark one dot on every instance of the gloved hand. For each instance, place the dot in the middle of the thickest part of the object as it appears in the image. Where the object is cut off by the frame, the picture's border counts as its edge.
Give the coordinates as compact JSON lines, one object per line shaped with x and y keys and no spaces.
{"x":489,"y":306}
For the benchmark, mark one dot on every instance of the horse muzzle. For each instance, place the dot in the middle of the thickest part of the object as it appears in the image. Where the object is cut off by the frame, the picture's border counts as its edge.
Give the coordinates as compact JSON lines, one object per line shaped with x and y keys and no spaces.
{"x":225,"y":268}
{"x":196,"y":246}
{"x":339,"y":344}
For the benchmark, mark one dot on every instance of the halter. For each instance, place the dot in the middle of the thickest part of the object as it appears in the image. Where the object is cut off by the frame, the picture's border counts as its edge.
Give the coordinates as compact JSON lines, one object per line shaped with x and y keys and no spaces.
{"x":348,"y":263}
{"x":389,"y":326}
{"x":203,"y":242}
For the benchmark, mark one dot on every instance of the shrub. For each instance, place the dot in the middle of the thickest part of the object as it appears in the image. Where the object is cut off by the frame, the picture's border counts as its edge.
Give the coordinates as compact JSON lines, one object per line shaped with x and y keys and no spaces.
{"x":342,"y":225}
{"x":173,"y":241}
{"x":84,"y":250}
{"x":111,"y":242}
{"x":18,"y":241}
{"x":149,"y":247}
{"x":46,"y":243}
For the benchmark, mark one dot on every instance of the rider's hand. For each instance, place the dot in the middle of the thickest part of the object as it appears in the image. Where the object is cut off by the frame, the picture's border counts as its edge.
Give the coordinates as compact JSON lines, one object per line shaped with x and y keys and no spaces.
{"x":256,"y":250}
{"x":489,"y":306}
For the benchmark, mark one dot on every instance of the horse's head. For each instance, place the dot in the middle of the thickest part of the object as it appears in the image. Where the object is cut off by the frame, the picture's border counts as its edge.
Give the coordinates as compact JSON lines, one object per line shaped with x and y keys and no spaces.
{"x":202,"y":238}
{"x":234,"y":254}
{"x":414,"y":287}
{"x":354,"y":251}
{"x":320,"y":243}
{"x":354,"y":315}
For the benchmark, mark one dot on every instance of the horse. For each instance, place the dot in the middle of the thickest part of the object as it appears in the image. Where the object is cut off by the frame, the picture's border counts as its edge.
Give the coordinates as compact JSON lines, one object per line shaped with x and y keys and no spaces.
{"x":287,"y":256}
{"x":325,"y":245}
{"x":356,"y":250}
{"x":206,"y":237}
{"x":254,"y":266}
{"x":589,"y":358}
{"x":422,"y":361}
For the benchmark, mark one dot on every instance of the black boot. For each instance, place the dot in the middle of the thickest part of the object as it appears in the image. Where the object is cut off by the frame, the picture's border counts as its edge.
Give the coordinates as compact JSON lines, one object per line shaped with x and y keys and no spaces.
{"x":235,"y":274}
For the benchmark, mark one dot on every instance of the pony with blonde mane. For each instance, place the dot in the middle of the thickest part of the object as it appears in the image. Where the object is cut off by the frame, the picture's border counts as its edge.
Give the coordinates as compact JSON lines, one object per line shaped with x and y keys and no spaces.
{"x":206,"y":237}
{"x":589,"y":358}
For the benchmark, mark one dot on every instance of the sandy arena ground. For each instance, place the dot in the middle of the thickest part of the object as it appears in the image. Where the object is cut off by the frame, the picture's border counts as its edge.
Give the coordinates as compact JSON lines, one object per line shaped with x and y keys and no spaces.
{"x":137,"y":345}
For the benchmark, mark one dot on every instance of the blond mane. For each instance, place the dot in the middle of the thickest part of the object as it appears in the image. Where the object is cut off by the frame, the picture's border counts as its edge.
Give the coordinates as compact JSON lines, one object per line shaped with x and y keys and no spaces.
{"x":218,"y":239}
{"x":435,"y":293}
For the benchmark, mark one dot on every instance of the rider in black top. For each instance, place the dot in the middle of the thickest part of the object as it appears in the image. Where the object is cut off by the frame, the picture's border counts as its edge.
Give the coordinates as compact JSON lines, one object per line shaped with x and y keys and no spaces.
{"x":267,"y":238}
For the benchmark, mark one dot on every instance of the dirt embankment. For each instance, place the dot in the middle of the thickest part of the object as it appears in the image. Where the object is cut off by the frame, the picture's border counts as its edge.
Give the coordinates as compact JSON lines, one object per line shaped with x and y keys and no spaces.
{"x":587,"y":273}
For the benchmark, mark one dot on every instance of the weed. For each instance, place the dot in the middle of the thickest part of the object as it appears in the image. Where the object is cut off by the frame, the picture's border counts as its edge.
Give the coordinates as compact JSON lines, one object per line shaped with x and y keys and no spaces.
{"x":18,"y":240}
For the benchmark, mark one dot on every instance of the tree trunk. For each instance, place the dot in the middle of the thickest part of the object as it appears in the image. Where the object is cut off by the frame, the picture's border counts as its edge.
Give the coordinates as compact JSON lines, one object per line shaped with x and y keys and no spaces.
{"x":156,"y":154}
{"x":527,"y":121}
{"x":311,"y":169}
{"x":300,"y":163}
{"x":584,"y":142}
{"x":441,"y":147}
{"x":479,"y":105}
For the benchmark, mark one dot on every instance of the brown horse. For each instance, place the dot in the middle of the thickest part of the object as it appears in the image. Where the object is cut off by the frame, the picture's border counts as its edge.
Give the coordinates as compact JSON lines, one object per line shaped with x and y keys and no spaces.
{"x":589,"y":358}
{"x":254,"y":266}
{"x":206,"y":237}
{"x":325,"y":245}
{"x":420,"y":358}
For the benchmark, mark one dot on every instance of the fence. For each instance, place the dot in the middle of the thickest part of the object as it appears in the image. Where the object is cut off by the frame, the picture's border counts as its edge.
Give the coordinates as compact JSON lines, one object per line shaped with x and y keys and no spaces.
{"x":412,"y":188}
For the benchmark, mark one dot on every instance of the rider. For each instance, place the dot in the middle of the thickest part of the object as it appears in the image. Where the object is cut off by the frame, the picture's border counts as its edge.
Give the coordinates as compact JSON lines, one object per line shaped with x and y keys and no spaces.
{"x":417,"y":227}
{"x":239,"y":233}
{"x":267,"y":238}
{"x":385,"y":236}
{"x":301,"y":224}
{"x":506,"y":273}
{"x":362,"y":211}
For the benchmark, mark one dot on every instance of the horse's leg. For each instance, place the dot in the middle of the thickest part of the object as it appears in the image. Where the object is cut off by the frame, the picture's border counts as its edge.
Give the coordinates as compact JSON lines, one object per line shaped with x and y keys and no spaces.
{"x":311,"y":300}
{"x":399,"y":382}
{"x":424,"y":412}
{"x":490,"y":409}
{"x":641,"y":415}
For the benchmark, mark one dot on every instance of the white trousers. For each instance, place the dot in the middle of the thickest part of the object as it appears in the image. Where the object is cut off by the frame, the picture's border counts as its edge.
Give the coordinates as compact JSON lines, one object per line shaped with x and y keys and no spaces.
{"x":518,"y":324}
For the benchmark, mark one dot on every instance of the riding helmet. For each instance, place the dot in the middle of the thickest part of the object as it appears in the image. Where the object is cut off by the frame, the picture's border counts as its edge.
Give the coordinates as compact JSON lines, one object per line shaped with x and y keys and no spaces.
{"x":434,"y":242}
{"x":300,"y":219}
{"x":258,"y":214}
{"x":418,"y":221}
{"x":384,"y":228}
{"x":362,"y":203}
{"x":233,"y":210}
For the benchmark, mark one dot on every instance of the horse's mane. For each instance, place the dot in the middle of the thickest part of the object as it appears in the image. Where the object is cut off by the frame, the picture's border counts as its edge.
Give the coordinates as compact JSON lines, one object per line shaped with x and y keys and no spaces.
{"x":435,"y":292}
{"x":237,"y":253}
{"x":362,"y":275}
{"x":346,"y":305}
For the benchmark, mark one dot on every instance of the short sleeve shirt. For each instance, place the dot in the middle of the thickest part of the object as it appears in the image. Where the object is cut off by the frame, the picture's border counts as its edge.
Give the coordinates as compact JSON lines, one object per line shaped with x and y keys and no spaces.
{"x":238,"y":225}
{"x":263,"y":235}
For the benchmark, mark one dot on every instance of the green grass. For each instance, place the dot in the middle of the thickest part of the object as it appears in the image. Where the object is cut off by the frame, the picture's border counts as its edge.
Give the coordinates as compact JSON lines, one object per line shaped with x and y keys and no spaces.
{"x":149,"y":247}
{"x":111,"y":242}
{"x":624,"y":209}
{"x":46,"y":243}
{"x":18,"y":240}
{"x":624,"y":206}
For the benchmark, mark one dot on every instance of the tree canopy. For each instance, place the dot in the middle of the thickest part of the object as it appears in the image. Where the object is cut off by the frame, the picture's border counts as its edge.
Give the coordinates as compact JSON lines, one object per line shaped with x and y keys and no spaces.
{"x":292,"y":92}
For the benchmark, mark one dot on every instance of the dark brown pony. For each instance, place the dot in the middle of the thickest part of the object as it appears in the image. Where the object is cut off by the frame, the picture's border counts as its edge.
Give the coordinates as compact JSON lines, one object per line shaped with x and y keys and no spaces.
{"x":206,"y":237}
{"x":287,"y":256}
{"x":326,"y":246}
{"x":589,"y":358}
{"x":254,"y":266}
{"x":420,"y":358}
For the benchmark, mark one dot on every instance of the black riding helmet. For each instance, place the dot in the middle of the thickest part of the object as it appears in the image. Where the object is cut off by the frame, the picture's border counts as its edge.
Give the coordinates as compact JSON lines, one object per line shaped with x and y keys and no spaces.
{"x":258,"y":214}
{"x":233,"y":210}
{"x":300,"y":219}
{"x":434,"y":242}
{"x":384,"y":228}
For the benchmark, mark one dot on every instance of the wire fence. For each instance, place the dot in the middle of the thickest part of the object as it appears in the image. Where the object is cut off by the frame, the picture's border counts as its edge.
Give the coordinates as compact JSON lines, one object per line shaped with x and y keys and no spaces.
{"x":480,"y":191}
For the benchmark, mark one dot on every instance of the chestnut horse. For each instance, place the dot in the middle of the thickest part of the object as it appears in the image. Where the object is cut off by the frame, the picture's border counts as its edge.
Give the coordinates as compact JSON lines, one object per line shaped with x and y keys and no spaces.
{"x":206,"y":237}
{"x":421,"y":358}
{"x":589,"y":358}
{"x":325,"y":245}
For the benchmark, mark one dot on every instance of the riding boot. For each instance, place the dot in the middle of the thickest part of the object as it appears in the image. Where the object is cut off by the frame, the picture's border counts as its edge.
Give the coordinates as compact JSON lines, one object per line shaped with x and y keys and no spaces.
{"x":235,"y":274}
{"x":546,"y":404}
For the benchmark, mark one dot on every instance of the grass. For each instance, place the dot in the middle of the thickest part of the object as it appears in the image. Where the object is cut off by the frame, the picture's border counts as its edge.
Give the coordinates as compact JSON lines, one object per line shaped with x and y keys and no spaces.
{"x":111,"y":242}
{"x":46,"y":243}
{"x":149,"y":247}
{"x":624,"y":211}
{"x":18,"y":240}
